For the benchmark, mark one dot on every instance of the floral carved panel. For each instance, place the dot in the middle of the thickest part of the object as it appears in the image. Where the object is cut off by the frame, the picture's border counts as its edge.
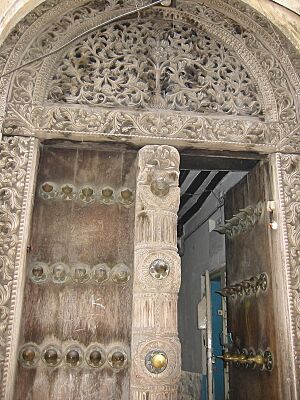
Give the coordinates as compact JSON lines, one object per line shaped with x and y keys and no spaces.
{"x":290,"y":198}
{"x":17,"y":171}
{"x":144,"y":63}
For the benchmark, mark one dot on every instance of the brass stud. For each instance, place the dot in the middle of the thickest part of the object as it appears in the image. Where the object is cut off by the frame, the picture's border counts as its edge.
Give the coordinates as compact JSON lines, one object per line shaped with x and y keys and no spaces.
{"x":95,"y":357}
{"x":160,"y":187}
{"x":51,"y":356}
{"x":159,"y":269}
{"x":156,"y":361}
{"x":73,"y":356}
{"x":100,"y":273}
{"x":120,"y":273}
{"x":39,"y":272}
{"x":29,"y":355}
{"x":47,"y":187}
{"x":117,"y":358}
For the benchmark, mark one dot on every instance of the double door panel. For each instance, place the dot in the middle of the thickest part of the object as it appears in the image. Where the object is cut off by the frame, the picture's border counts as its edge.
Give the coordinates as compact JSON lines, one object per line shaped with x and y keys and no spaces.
{"x":76,"y":321}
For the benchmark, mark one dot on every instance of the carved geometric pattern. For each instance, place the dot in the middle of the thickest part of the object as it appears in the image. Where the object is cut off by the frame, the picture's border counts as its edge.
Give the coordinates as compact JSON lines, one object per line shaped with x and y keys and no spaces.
{"x":154,"y":316}
{"x":146,"y":64}
{"x":16,"y":190}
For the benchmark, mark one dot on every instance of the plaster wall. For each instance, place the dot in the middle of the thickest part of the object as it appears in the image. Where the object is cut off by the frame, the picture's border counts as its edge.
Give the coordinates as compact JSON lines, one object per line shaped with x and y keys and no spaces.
{"x":284,"y":15}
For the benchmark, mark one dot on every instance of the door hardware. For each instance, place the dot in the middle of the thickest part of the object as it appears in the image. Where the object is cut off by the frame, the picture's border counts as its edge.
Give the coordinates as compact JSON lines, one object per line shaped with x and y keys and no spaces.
{"x":241,"y":222}
{"x":271,"y":208}
{"x":246,"y":287}
{"x":262,"y":360}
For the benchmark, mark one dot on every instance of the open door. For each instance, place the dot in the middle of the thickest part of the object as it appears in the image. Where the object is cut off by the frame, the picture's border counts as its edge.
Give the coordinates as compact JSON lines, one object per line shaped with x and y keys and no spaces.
{"x":252,"y":290}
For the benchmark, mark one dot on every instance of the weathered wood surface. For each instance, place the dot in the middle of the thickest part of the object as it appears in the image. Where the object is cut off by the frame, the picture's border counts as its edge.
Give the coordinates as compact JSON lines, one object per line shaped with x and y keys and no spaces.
{"x":83,"y":313}
{"x":254,"y":320}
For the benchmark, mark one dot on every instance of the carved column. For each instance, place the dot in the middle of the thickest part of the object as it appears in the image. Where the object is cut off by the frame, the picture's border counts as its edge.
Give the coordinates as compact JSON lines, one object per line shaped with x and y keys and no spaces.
{"x":155,"y":343}
{"x":18,"y":158}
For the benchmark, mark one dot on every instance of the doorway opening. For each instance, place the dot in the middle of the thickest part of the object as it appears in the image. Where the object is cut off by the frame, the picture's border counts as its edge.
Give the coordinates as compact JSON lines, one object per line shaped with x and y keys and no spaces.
{"x":204,"y":182}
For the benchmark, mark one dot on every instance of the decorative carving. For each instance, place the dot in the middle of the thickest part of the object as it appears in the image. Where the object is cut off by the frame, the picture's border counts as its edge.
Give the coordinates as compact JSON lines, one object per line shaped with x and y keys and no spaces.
{"x":236,"y":26}
{"x":17,"y":169}
{"x":146,"y":64}
{"x":155,"y":346}
{"x":61,"y":121}
{"x":289,"y":165}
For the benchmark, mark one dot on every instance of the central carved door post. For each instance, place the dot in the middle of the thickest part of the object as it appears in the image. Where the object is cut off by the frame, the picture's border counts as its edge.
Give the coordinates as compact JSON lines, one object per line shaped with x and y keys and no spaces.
{"x":155,"y":345}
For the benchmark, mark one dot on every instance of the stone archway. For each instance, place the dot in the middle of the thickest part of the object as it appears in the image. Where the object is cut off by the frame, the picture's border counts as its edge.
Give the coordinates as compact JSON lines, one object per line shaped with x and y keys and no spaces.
{"x":243,"y":96}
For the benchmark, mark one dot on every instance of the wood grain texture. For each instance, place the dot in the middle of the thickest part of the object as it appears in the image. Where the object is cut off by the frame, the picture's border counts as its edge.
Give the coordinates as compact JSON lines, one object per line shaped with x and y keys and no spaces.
{"x":252,"y":319}
{"x":86,"y":313}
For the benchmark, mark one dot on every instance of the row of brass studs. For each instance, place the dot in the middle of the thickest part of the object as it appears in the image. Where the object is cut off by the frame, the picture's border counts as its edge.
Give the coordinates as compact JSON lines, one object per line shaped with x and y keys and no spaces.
{"x":73,"y":356}
{"x":247,"y":287}
{"x":262,"y":360}
{"x":106,"y":195}
{"x":60,"y":273}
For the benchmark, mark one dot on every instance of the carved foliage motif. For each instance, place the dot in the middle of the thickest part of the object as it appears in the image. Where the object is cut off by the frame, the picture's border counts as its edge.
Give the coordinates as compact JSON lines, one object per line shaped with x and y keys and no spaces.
{"x":148,"y":64}
{"x":290,"y":192}
{"x":257,"y":41}
{"x":15,"y":169}
{"x":156,"y":276}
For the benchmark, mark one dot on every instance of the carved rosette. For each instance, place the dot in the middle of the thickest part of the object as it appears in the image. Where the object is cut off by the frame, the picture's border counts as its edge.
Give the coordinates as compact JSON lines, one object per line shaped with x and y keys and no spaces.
{"x":17,"y":173}
{"x":156,"y":275}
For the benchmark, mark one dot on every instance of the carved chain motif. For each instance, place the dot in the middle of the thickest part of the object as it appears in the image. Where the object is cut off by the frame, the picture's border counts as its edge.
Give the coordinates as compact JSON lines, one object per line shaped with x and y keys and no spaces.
{"x":155,"y":345}
{"x":146,"y":64}
{"x":16,"y":191}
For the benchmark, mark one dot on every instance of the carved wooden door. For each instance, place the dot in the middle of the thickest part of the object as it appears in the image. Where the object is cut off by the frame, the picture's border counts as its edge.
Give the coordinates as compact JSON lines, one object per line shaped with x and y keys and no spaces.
{"x":76,"y":323}
{"x":253,"y":297}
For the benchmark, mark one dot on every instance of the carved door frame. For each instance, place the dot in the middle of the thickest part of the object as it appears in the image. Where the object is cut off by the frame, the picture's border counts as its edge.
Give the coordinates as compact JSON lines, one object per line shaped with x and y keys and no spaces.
{"x":28,"y":121}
